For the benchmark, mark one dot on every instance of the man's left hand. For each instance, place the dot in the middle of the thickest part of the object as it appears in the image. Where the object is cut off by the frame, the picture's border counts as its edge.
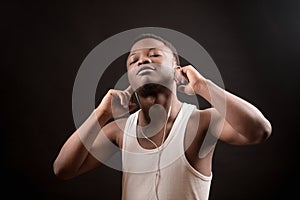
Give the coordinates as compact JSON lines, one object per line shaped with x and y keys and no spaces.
{"x":195,"y":80}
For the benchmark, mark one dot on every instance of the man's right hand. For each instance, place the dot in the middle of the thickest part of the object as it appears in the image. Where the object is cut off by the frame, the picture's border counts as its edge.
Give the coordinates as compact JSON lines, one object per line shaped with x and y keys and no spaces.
{"x":117,"y":103}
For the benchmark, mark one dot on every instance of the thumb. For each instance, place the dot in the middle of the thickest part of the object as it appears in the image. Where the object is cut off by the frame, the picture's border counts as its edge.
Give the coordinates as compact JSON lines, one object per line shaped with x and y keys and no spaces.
{"x":181,"y":88}
{"x":186,"y":89}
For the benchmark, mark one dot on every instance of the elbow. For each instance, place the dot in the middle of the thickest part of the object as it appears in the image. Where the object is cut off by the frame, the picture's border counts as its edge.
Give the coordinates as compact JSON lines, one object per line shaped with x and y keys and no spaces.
{"x":263,"y":136}
{"x":266,"y":130}
{"x":61,"y":172}
{"x":262,"y":133}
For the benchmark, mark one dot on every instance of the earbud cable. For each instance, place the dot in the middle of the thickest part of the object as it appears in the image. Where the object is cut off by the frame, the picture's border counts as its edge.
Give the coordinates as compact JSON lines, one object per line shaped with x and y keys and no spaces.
{"x":157,"y":175}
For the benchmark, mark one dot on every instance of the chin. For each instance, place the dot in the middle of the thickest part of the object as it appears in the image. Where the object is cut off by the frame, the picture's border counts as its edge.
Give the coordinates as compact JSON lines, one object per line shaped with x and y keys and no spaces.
{"x":151,"y":89}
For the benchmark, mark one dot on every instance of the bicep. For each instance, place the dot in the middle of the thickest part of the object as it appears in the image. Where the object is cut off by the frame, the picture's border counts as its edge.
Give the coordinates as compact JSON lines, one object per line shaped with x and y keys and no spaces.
{"x":221,"y":129}
{"x":231,"y":136}
{"x":103,"y":147}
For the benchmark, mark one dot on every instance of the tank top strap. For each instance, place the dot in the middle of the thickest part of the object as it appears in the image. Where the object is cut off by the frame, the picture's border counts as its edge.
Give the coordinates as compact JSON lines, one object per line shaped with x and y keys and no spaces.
{"x":174,"y":148}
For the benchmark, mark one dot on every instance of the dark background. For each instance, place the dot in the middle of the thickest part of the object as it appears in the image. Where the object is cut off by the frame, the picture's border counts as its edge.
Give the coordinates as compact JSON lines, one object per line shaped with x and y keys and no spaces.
{"x":255,"y":45}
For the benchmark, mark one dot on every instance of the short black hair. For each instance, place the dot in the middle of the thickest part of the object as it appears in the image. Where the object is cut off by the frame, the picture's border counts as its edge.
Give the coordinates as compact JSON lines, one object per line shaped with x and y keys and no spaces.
{"x":159,"y":38}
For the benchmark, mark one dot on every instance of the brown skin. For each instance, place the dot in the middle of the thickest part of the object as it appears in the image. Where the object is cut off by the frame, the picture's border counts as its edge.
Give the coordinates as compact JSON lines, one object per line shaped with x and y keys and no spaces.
{"x":243,"y":123}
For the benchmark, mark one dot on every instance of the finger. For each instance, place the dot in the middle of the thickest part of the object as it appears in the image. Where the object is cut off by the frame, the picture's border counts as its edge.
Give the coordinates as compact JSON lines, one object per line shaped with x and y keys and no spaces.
{"x":183,"y":69}
{"x":186,"y":68}
{"x":182,"y":77}
{"x":126,"y":96}
{"x":121,"y":97}
{"x":129,"y":89}
{"x":128,"y":93}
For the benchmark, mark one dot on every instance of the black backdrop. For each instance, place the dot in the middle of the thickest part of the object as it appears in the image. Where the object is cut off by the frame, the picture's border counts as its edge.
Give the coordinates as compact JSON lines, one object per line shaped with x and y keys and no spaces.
{"x":255,"y":45}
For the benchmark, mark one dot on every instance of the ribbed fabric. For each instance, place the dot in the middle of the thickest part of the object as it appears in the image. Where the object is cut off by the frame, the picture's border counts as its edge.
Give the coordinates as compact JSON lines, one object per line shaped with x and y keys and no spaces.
{"x":178,"y":179}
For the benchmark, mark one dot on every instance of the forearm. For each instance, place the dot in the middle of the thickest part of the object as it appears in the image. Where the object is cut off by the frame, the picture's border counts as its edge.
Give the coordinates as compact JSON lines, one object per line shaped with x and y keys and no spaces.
{"x":75,"y":150}
{"x":240,"y":114}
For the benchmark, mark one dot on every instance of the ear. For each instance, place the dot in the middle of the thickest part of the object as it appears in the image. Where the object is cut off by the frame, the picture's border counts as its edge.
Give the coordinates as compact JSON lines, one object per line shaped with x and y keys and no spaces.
{"x":174,"y":63}
{"x":176,"y":73}
{"x":179,"y":77}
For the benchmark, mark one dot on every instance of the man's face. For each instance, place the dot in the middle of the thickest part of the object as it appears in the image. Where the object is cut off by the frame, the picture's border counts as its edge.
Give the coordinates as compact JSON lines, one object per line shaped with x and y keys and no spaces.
{"x":150,"y":61}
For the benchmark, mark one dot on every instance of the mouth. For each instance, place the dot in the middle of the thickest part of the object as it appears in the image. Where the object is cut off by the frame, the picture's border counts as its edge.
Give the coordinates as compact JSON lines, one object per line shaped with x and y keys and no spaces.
{"x":145,"y":69}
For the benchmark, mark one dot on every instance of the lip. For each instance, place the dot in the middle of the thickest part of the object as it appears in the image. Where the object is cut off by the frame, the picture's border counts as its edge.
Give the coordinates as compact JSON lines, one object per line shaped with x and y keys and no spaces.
{"x":144,"y":68}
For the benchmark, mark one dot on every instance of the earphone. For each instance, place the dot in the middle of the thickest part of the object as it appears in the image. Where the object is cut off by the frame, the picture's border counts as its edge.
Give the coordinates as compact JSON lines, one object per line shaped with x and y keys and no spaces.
{"x":157,"y":174}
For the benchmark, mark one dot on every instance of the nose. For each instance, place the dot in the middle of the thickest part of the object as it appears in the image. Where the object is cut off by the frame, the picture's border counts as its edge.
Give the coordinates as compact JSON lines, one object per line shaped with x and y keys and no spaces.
{"x":144,"y":60}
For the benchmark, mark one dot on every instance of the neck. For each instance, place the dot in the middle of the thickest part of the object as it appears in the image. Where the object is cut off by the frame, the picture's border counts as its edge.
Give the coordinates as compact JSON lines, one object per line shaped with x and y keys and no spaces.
{"x":157,"y":116}
{"x":149,"y":96}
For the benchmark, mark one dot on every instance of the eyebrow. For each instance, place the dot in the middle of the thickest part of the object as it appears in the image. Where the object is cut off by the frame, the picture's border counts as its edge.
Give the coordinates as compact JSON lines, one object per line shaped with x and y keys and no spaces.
{"x":150,"y":49}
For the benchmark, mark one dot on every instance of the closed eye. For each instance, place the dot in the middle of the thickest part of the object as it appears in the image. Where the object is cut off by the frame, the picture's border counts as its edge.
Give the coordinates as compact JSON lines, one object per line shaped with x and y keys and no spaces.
{"x":155,"y":55}
{"x":134,"y":61}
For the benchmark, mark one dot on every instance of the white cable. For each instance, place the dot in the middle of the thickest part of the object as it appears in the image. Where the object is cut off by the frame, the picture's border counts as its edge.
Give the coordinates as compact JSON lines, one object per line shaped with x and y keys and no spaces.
{"x":157,"y":174}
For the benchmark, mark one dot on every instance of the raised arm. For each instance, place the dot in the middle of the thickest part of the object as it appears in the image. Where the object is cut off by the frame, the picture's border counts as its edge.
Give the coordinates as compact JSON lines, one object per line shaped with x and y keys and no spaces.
{"x":243,"y":124}
{"x":79,"y":153}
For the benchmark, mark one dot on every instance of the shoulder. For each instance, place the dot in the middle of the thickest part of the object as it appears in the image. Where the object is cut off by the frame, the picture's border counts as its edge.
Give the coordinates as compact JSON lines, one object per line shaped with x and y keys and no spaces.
{"x":201,"y":123}
{"x":198,"y":124}
{"x":201,"y":118}
{"x":115,"y":130}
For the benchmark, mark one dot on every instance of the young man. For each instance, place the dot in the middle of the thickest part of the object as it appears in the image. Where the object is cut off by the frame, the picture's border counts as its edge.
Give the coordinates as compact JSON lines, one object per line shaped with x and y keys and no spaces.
{"x":161,"y":141}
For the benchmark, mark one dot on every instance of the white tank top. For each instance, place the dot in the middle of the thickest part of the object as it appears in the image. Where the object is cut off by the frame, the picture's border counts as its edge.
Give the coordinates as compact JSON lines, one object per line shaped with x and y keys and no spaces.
{"x":178,"y":180}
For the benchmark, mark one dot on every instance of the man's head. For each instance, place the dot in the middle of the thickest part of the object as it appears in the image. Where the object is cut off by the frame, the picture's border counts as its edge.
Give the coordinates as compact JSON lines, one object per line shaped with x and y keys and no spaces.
{"x":152,"y":60}
{"x":164,"y":41}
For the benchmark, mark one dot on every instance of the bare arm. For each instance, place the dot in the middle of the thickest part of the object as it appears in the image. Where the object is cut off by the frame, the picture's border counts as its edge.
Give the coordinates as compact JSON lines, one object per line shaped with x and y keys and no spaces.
{"x":90,"y":142}
{"x":243,"y":122}
{"x":75,"y":151}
